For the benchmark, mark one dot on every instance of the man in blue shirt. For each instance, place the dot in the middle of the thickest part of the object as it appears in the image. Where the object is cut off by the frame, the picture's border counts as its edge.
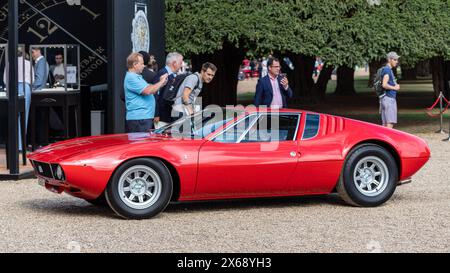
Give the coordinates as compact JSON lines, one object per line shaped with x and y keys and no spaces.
{"x":388,"y":103}
{"x":139,"y":99}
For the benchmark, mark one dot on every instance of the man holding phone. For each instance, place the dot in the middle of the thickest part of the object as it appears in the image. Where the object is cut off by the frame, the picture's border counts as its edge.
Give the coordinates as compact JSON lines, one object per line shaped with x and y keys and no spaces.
{"x":273,"y":90}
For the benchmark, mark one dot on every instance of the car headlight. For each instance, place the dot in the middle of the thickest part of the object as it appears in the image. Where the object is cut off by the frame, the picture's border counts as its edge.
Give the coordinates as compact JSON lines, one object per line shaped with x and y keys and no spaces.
{"x":58,"y":172}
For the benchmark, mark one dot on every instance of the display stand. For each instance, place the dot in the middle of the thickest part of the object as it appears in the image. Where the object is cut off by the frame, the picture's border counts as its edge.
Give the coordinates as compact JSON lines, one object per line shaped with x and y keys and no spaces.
{"x":64,"y":95}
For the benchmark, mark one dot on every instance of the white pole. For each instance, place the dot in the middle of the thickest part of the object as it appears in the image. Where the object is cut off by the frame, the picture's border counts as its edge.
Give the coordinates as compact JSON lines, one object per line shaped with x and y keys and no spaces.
{"x":441,"y":114}
{"x":448,"y":139}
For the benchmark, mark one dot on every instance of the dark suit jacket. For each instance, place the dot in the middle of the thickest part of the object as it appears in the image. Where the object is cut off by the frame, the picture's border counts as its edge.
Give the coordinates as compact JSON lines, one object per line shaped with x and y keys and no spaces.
{"x":148,"y":75}
{"x":264,"y":93}
{"x":41,"y":70}
{"x":163,"y":107}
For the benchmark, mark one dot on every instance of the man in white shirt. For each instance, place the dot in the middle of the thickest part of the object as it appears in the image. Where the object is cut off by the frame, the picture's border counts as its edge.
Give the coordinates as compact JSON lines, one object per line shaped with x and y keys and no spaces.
{"x":58,"y":69}
{"x":25,"y":74}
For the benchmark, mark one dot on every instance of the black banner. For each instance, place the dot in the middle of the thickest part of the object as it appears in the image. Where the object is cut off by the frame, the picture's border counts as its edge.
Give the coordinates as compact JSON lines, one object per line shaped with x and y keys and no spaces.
{"x":106,"y":32}
{"x":86,"y":21}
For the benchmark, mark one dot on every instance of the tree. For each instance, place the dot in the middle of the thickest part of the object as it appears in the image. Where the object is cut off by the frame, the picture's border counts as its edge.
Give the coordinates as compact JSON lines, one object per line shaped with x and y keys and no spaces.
{"x":221,"y":31}
{"x":418,"y":30}
{"x":343,"y":33}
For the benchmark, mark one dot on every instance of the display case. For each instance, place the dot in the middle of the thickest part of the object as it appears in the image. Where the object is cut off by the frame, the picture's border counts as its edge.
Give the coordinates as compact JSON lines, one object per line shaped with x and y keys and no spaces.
{"x":63,"y":74}
{"x":61,"y":92}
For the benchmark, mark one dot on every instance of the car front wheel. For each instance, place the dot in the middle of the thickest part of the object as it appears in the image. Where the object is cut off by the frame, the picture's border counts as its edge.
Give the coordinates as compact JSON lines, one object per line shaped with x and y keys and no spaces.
{"x":369,"y":177}
{"x":140,"y":189}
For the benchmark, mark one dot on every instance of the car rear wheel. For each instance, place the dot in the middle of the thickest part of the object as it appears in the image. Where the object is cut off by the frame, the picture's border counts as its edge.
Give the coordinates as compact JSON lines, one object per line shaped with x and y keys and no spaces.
{"x":140,"y":189}
{"x":369,"y":176}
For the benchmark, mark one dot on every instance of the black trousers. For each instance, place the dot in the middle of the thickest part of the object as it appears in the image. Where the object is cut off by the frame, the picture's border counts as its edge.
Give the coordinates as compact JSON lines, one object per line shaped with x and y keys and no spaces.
{"x":139,"y":126}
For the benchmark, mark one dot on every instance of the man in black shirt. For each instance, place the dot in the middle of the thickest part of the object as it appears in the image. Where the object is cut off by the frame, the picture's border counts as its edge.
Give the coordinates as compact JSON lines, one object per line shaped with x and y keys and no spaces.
{"x":147,"y":74}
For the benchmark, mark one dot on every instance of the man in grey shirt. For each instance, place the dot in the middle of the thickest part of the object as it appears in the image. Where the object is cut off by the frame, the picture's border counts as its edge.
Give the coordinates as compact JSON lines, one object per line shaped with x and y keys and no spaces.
{"x":190,"y":89}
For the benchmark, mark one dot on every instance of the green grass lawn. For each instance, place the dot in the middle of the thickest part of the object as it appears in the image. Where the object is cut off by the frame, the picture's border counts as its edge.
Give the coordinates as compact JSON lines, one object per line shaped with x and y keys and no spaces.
{"x":422,"y":86}
{"x":414,"y":98}
{"x":362,"y":82}
{"x":407,"y":116}
{"x":246,"y":96}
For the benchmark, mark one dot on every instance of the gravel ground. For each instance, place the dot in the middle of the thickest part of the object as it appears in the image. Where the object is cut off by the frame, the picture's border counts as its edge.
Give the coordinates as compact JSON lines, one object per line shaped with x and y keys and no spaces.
{"x":417,"y":219}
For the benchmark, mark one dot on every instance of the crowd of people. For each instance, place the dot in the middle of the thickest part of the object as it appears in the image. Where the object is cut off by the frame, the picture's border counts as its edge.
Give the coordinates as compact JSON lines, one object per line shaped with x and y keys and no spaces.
{"x":256,"y":68}
{"x":155,"y":99}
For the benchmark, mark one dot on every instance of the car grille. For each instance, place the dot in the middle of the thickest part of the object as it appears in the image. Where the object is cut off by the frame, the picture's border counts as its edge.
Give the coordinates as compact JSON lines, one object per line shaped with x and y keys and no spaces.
{"x":43,"y":169}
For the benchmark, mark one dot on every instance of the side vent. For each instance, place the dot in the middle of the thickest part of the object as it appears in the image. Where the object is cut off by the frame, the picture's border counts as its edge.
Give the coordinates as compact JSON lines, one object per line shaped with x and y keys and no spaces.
{"x":333,"y":125}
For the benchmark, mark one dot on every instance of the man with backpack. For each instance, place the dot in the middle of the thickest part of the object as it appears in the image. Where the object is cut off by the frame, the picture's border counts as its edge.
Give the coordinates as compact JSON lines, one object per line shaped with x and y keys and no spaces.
{"x":189,"y":90}
{"x":174,"y":62}
{"x":386,"y":87}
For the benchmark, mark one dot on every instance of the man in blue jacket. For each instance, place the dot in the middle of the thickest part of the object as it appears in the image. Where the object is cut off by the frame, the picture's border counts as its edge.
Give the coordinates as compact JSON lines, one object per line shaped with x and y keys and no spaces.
{"x":163,"y":112}
{"x":43,"y":114}
{"x":41,"y":69}
{"x":273,"y":90}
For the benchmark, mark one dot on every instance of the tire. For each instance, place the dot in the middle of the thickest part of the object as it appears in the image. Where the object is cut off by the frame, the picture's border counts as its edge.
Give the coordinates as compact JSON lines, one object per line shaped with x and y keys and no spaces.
{"x":140,"y":189}
{"x":369,"y":177}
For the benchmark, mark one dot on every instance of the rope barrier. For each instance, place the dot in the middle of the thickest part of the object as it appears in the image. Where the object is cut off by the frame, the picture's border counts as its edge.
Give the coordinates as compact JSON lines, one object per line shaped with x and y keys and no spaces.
{"x":438,"y":115}
{"x":441,"y":99}
{"x":434,"y":104}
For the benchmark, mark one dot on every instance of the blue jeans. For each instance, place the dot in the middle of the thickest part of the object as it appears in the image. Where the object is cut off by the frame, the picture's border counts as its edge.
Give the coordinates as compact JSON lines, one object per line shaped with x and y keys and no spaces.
{"x":27,"y":95}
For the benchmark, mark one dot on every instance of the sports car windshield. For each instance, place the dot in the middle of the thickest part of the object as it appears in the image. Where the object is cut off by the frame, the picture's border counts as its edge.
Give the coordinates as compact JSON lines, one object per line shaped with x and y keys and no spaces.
{"x":202,"y":123}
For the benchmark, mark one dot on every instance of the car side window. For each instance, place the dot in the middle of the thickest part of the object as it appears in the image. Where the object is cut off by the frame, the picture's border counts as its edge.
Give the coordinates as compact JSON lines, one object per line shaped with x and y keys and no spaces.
{"x":233,"y":133}
{"x":311,"y":126}
{"x":271,"y":128}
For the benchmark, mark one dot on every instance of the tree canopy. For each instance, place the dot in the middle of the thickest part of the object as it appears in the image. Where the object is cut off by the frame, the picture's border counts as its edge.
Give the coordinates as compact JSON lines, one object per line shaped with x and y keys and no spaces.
{"x":341,"y":32}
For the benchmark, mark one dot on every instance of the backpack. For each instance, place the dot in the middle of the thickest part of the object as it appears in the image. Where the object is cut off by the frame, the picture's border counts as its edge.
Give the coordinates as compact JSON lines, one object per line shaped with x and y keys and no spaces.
{"x":172,"y":87}
{"x":378,"y":83}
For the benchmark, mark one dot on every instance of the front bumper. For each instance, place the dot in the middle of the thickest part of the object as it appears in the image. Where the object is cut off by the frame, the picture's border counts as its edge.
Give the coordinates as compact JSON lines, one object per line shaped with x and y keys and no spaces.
{"x":60,"y":187}
{"x":53,"y":187}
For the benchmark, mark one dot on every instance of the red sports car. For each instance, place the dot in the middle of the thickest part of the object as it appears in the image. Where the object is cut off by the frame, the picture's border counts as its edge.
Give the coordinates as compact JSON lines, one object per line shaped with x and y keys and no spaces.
{"x":228,"y":153}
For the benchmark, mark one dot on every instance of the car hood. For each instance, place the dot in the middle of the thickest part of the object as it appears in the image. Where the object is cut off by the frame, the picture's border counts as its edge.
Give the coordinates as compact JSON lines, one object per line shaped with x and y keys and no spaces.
{"x":66,"y":149}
